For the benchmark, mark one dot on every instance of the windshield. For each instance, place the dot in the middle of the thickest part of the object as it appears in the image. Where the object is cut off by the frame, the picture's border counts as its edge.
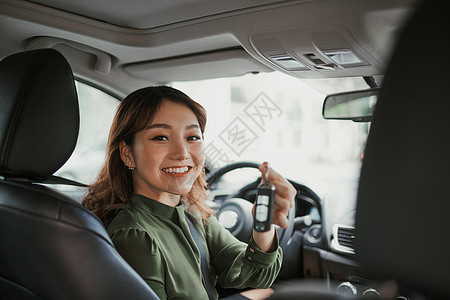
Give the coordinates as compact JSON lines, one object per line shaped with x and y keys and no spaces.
{"x":277,"y":118}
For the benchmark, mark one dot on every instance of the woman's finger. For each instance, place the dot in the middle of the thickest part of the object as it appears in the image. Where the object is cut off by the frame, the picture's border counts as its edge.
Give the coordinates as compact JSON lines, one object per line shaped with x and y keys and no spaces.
{"x":284,"y":195}
{"x":282,"y":185}
{"x":280,"y":219}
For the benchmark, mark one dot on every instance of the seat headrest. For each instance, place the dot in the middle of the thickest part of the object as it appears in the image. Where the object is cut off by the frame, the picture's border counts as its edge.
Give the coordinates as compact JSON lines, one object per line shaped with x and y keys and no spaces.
{"x":39,"y":115}
{"x":403,"y":211}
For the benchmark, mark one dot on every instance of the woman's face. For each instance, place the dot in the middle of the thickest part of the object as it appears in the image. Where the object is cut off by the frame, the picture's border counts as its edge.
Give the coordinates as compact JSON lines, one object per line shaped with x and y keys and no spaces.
{"x":167,"y":155}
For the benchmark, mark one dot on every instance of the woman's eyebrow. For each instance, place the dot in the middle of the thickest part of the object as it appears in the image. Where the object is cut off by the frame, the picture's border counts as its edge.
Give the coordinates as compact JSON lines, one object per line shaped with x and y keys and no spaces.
{"x":193,"y":126}
{"x":167,"y":126}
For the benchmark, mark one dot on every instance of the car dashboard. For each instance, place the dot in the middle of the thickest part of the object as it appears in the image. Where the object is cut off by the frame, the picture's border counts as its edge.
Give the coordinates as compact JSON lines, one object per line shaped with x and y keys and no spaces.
{"x":321,"y":246}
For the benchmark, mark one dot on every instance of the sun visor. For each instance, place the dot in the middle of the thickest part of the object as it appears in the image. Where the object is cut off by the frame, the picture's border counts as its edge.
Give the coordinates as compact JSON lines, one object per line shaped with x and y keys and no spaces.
{"x":217,"y":64}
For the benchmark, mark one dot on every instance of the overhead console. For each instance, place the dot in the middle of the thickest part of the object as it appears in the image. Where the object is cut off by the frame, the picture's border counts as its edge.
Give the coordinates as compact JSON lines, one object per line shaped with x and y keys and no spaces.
{"x":315,"y":52}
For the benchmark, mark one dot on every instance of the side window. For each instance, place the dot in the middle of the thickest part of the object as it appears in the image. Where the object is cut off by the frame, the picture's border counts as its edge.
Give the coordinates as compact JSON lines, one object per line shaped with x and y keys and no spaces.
{"x":97,"y":111}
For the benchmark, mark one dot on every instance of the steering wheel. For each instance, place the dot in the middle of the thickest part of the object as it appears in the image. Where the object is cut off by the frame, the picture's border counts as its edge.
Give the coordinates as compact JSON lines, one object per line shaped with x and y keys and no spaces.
{"x":235,"y":213}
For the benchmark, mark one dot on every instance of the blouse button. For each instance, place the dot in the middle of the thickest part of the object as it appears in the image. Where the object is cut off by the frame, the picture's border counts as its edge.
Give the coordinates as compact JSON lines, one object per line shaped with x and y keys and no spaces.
{"x":249,"y":258}
{"x":252,"y":250}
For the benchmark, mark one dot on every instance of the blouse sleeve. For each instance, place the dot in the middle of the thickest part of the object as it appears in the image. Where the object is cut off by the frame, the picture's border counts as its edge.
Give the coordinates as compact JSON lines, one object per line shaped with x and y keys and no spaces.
{"x":143,"y":255}
{"x":237,"y":264}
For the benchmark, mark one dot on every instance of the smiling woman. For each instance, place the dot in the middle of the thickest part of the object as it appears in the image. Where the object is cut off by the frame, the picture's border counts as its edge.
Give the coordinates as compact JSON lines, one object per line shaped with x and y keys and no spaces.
{"x":133,"y":129}
{"x":151,"y":196}
{"x":167,"y":155}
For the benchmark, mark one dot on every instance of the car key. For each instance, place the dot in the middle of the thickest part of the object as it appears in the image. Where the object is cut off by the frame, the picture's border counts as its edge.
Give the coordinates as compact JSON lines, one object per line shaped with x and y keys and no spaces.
{"x":265,"y":197}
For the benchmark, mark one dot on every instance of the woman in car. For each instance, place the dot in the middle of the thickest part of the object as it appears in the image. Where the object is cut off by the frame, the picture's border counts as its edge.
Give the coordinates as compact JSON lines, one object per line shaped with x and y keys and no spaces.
{"x":150,"y":195}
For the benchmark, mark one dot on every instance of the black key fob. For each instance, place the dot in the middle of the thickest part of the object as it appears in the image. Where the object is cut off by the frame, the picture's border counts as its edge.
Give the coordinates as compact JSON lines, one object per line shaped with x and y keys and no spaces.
{"x":265,"y":197}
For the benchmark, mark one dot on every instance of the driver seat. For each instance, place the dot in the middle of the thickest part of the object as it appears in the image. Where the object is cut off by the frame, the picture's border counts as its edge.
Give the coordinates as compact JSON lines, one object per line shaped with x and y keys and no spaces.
{"x":403,"y":207}
{"x":403,"y":212}
{"x":51,"y":247}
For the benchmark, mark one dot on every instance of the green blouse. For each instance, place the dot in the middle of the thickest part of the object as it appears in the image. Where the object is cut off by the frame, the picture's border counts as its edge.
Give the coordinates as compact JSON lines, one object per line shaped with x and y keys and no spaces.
{"x":155,"y":240}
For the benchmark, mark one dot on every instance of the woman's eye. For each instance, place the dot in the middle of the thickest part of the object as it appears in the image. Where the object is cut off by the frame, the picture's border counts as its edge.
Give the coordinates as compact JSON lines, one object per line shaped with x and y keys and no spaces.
{"x":194,"y":138}
{"x":160,"y":138}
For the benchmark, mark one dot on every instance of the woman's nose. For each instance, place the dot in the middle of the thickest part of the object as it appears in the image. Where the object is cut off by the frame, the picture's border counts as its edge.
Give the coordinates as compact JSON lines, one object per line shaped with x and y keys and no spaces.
{"x":179,"y":151}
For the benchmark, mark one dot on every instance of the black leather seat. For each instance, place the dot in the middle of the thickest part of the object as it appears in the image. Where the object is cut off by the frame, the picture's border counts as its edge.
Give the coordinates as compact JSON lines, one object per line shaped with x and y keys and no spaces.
{"x":50,"y":246}
{"x":403,"y":209}
{"x":403,"y":212}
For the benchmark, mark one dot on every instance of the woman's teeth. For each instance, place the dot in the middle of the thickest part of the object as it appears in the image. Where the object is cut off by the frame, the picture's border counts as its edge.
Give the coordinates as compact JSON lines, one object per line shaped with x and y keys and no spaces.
{"x":176,"y":170}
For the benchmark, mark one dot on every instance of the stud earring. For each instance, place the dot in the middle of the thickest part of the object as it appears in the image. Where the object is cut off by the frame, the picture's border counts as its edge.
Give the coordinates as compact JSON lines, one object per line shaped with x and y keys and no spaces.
{"x":129,"y":168}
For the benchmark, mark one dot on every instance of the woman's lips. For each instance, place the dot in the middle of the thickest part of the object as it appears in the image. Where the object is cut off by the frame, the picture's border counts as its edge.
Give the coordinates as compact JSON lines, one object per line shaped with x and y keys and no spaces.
{"x":177,"y":171}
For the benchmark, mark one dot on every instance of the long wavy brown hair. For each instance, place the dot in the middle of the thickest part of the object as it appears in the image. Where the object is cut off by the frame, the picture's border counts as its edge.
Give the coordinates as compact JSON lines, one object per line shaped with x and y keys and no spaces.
{"x":114,"y":186}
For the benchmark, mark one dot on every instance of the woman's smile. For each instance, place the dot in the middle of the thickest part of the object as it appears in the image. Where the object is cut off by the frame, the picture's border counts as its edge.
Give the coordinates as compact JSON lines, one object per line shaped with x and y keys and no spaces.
{"x":177,"y":171}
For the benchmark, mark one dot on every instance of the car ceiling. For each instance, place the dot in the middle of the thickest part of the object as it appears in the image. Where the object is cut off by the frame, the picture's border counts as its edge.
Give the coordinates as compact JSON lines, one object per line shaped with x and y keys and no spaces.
{"x":123,"y":45}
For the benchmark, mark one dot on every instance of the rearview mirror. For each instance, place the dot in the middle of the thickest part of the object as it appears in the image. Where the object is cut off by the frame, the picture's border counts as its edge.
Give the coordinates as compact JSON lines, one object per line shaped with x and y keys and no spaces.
{"x":357,"y":106}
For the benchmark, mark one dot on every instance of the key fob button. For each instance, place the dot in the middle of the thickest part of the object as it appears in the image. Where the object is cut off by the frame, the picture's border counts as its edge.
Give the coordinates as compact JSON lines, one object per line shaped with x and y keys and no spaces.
{"x":261,"y":213}
{"x":263,"y":199}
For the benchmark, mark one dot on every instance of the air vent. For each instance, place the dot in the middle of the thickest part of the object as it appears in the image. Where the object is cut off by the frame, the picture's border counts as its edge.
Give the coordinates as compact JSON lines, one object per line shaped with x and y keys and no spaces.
{"x":343,"y":238}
